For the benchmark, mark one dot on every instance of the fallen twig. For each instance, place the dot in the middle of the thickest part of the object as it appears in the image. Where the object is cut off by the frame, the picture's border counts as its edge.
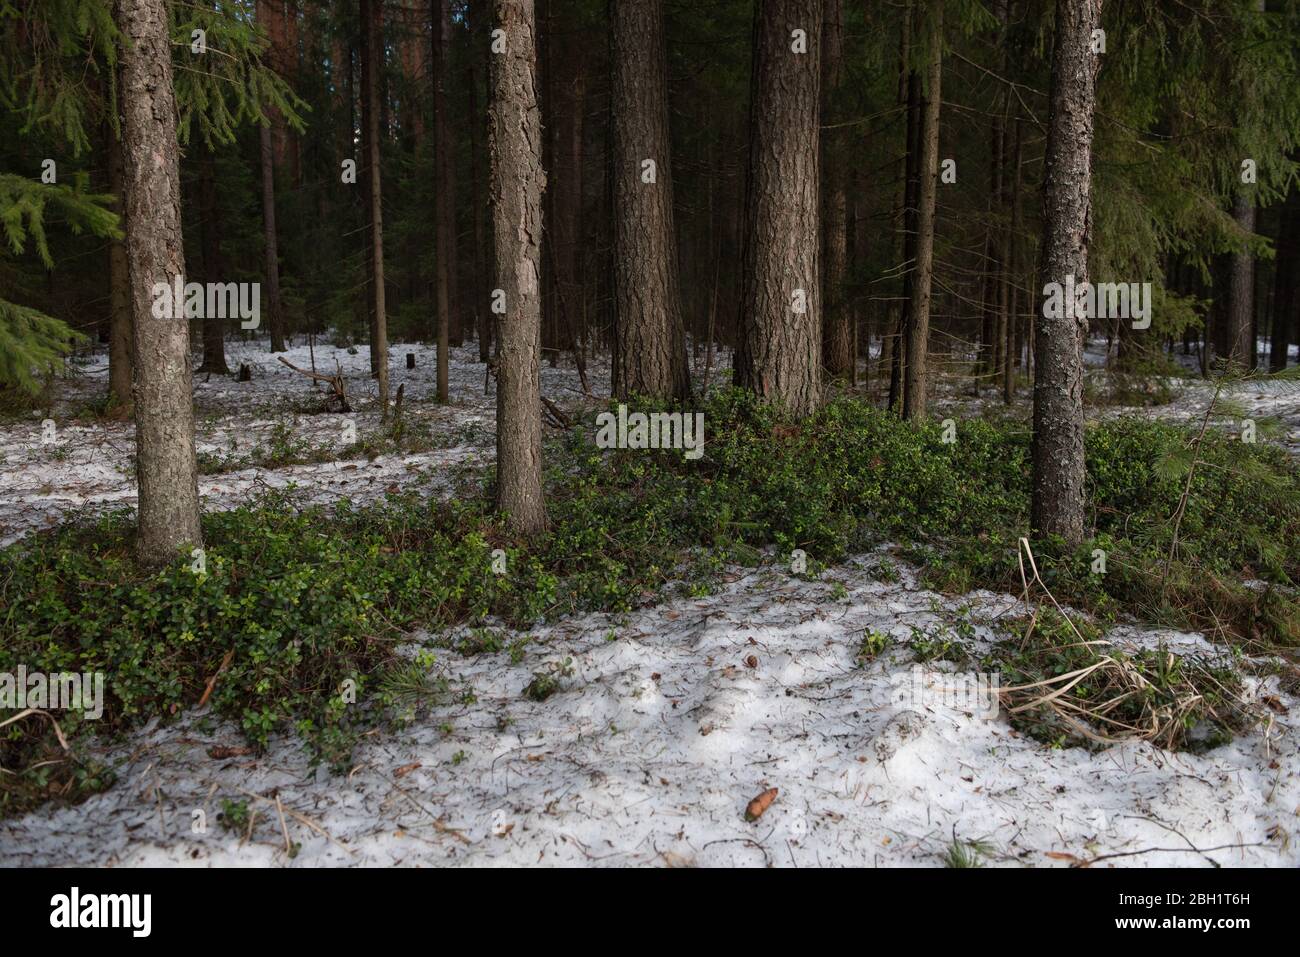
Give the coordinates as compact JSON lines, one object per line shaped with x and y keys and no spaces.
{"x":212,"y":682}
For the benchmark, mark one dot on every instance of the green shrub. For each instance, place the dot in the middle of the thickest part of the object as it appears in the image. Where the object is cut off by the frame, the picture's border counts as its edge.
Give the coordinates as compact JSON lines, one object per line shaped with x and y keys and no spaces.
{"x":305,"y":600}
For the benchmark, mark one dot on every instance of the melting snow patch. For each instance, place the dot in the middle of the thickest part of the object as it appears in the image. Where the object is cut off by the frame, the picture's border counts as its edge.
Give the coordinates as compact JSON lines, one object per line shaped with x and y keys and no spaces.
{"x":666,"y":723}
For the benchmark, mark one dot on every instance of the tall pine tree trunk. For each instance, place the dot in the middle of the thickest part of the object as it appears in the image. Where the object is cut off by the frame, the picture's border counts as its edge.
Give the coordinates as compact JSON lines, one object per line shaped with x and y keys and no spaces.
{"x":119,"y":292}
{"x":478,"y":155}
{"x":271,"y":249}
{"x":863,"y":312}
{"x":564,"y":176}
{"x":778,"y":355}
{"x":372,"y":21}
{"x":837,"y":328}
{"x":518,"y":182}
{"x":272,"y":21}
{"x":909,"y":97}
{"x":214,"y":340}
{"x":1058,"y":505}
{"x":164,"y":409}
{"x":1011,"y":295}
{"x":274,"y":18}
{"x":573,"y":294}
{"x":1240,"y":317}
{"x":414,"y":51}
{"x":916,"y":373}
{"x":1241,"y":289}
{"x":1286,"y":282}
{"x":1022,"y":317}
{"x":650,"y":351}
{"x":455,"y":323}
{"x":1001,"y":199}
{"x":443,"y":201}
{"x":988,"y":351}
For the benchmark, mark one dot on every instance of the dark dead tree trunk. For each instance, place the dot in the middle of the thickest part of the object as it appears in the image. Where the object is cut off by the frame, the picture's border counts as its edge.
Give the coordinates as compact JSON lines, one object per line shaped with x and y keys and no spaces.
{"x":518,"y":182}
{"x":1058,"y":503}
{"x":778,"y":356}
{"x":651,"y":347}
{"x":166,"y":467}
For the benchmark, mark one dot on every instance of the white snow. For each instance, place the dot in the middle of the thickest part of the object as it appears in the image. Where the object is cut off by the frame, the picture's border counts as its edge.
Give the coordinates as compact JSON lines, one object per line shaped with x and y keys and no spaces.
{"x":661,"y":732}
{"x":89,"y":465}
{"x":661,"y":735}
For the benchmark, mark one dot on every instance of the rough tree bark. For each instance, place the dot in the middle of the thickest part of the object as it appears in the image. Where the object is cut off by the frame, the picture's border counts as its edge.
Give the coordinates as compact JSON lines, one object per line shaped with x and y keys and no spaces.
{"x":1241,"y":290}
{"x":566,"y":87}
{"x":482,"y":317}
{"x":650,"y":346}
{"x":443,"y":198}
{"x":278,"y":20}
{"x":119,"y":292}
{"x":915,"y":373}
{"x":1240,"y":314}
{"x":1022,"y":317}
{"x":1286,"y":295}
{"x":518,"y":182}
{"x":987,"y":358}
{"x":214,"y":339}
{"x":274,"y":311}
{"x":778,"y":354}
{"x":1011,"y":294}
{"x":837,"y":327}
{"x":164,"y":411}
{"x":546,"y":102}
{"x":414,"y":49}
{"x":272,"y":20}
{"x":573,"y":300}
{"x":1057,"y":501}
{"x":414,"y":53}
{"x":893,"y":346}
{"x":372,"y":21}
{"x":1002,"y":199}
{"x":862,"y":312}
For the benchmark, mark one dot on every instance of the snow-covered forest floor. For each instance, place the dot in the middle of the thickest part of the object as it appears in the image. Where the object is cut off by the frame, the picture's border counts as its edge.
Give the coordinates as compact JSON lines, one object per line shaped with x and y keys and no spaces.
{"x":88,"y":464}
{"x":666,"y":721}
